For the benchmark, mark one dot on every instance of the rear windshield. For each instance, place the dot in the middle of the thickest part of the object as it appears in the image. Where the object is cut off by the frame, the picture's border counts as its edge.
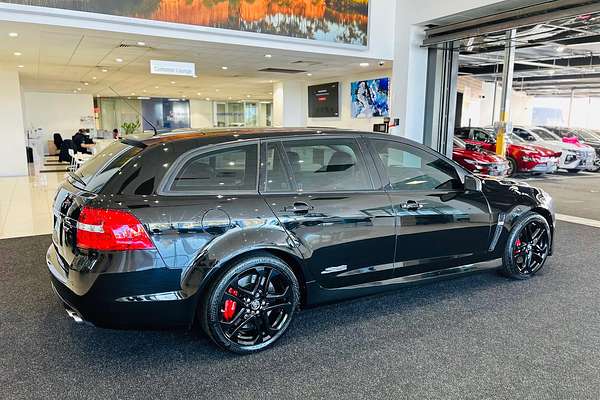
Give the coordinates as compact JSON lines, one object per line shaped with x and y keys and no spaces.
{"x":99,"y":169}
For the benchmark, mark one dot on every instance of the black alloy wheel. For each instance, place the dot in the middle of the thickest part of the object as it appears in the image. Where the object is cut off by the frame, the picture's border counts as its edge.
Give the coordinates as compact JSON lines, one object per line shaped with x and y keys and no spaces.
{"x":528,"y":247}
{"x":512,"y":167}
{"x":251,"y":305}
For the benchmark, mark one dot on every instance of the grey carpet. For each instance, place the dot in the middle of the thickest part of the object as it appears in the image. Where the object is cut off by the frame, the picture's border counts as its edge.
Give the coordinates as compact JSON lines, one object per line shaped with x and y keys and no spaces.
{"x":477,"y":337}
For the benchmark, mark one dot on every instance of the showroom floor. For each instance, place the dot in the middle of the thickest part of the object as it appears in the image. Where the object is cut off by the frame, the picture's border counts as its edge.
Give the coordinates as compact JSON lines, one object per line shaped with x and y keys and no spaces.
{"x":480,"y":336}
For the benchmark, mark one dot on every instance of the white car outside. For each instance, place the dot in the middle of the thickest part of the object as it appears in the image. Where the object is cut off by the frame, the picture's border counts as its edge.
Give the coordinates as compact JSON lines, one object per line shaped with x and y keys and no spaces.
{"x":574,"y":157}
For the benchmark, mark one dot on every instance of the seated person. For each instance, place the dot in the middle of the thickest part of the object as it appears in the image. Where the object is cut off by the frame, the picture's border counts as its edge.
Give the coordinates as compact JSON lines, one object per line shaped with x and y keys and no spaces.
{"x":81,"y":142}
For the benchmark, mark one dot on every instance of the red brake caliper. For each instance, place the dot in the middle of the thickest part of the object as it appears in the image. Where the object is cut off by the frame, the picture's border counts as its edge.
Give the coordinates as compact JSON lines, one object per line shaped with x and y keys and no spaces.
{"x":517,"y":244}
{"x":230,"y":305}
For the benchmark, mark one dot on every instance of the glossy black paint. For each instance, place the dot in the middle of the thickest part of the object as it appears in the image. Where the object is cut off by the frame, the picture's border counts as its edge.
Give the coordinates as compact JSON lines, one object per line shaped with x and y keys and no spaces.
{"x":340,"y":245}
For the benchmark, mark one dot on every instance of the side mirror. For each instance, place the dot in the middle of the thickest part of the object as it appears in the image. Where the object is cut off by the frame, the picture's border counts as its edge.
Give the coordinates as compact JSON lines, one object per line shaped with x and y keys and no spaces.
{"x":473,"y":183}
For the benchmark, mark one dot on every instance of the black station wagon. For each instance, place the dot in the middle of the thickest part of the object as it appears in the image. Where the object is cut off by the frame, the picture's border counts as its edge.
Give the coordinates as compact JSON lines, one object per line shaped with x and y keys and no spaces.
{"x":234,"y":230}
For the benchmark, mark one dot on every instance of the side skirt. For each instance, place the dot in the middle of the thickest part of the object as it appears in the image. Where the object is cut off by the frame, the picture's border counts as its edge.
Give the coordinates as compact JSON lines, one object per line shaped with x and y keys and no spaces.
{"x":319,"y":295}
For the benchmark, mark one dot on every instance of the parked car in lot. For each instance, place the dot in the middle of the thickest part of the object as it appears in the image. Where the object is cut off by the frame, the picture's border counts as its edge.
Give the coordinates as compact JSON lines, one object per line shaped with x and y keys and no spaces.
{"x":521,"y":156}
{"x":234,"y":230}
{"x":477,"y":160}
{"x":574,"y":157}
{"x":586,"y":136}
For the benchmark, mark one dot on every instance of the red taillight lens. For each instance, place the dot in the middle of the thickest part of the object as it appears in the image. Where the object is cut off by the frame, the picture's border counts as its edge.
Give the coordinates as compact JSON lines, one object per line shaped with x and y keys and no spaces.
{"x":111,"y":230}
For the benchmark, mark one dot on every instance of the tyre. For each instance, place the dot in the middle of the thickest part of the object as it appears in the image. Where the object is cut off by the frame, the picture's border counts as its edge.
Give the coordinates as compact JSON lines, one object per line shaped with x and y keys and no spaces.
{"x":573,"y":171}
{"x":512,"y":166}
{"x":527,"y":248}
{"x":250,"y":306}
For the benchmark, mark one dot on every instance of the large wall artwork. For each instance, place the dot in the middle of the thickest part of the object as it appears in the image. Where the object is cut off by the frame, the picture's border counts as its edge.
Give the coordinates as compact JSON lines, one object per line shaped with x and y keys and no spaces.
{"x":370,"y":98}
{"x":338,"y":21}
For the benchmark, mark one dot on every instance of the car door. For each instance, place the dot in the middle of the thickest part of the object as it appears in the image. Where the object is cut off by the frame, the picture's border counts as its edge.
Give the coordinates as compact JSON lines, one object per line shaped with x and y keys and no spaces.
{"x":328,"y":195}
{"x":439,"y":224}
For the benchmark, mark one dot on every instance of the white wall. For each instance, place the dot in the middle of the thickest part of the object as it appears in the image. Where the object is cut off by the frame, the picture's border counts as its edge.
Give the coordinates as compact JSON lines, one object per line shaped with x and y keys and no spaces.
{"x":521,"y":107}
{"x":345,"y":120}
{"x":57,"y":112}
{"x":12,"y":150}
{"x":201,"y":114}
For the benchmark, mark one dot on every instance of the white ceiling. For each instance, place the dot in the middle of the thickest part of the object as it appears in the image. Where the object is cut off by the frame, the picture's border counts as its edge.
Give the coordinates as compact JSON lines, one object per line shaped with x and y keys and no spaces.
{"x":65,"y":59}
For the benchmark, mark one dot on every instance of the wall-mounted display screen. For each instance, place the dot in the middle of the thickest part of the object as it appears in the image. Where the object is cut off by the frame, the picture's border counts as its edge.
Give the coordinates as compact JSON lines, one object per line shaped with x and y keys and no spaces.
{"x":338,"y":21}
{"x":166,"y":113}
{"x":370,"y":98}
{"x":324,"y":100}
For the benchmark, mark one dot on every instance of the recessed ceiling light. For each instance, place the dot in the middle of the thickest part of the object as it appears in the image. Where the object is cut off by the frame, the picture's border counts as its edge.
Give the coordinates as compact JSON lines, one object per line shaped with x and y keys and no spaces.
{"x":144,"y":91}
{"x":104,"y":70}
{"x":364,"y":64}
{"x":16,"y":53}
{"x":216,"y":90}
{"x":133,"y":93}
{"x":268,"y":56}
{"x":94,"y":78}
{"x":20,"y":66}
{"x":199,"y":94}
{"x":271,"y":81}
{"x":13,"y":34}
{"x":224,"y":67}
{"x":85,"y":83}
{"x":119,"y":60}
{"x":74,"y":91}
{"x":79,"y":89}
{"x":270,"y":92}
{"x":248,"y":95}
{"x":141,"y":43}
{"x":309,"y":74}
{"x":156,"y":87}
{"x":229,"y":97}
{"x":208,"y":99}
{"x":173,"y":82}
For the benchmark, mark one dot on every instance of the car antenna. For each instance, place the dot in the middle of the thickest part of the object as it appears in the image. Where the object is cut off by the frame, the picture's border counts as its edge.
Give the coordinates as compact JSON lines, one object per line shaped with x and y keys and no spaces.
{"x":136,"y":111}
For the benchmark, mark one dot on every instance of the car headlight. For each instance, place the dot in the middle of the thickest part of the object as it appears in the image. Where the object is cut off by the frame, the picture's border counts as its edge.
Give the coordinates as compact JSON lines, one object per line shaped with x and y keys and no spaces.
{"x":570,"y":157}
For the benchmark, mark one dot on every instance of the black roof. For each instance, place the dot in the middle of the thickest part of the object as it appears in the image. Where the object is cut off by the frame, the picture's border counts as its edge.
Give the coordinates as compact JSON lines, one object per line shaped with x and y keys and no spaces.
{"x":223,"y":135}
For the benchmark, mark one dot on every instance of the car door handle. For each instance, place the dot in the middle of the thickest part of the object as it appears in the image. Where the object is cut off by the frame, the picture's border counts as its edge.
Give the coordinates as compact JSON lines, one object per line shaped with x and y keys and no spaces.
{"x":299,"y":208}
{"x":411,"y":205}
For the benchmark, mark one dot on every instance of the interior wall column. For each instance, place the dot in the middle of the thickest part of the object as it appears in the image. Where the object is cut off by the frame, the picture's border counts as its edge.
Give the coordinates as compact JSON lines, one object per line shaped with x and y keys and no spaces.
{"x":289,"y":104}
{"x":12,"y":151}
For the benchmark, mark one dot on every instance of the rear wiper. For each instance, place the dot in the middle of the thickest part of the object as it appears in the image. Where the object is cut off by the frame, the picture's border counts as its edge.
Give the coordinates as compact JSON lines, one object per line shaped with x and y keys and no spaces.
{"x":76,"y":178}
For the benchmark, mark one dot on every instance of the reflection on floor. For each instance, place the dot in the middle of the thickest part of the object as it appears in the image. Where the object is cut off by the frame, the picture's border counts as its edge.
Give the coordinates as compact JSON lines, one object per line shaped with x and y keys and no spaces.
{"x":26,"y":204}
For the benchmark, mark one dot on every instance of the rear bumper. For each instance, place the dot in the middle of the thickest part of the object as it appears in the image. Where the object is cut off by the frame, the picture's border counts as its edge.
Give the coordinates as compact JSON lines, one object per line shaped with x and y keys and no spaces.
{"x":123,"y":300}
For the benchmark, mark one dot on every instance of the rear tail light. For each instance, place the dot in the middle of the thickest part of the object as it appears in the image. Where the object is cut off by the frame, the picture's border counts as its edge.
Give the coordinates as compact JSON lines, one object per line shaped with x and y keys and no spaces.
{"x":111,"y":230}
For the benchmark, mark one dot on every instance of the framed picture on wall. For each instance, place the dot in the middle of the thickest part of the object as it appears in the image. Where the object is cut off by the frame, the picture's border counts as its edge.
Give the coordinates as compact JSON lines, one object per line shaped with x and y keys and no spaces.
{"x":370,"y":98}
{"x":324,"y":100}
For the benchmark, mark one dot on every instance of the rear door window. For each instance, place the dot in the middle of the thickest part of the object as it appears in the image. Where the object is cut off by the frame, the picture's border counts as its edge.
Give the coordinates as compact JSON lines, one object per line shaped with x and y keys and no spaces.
{"x":227,"y":169}
{"x":327,"y":165}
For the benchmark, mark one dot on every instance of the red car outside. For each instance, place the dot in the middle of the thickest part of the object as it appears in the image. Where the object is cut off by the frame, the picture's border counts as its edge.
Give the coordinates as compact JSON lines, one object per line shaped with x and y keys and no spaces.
{"x":521,"y":156}
{"x":477,"y":160}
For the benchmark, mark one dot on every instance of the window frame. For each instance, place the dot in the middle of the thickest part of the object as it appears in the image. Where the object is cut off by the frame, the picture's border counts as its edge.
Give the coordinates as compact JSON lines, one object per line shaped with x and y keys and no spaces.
{"x":364,"y":152}
{"x":165,"y":186}
{"x":385,"y":178}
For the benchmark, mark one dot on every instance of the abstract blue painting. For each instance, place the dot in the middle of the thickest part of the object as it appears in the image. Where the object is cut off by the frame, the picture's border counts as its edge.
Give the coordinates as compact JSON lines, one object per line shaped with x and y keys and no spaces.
{"x":370,"y":98}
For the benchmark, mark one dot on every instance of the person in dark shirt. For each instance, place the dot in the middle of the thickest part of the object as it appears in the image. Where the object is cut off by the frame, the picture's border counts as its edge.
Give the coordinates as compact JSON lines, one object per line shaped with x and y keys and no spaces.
{"x":78,"y":140}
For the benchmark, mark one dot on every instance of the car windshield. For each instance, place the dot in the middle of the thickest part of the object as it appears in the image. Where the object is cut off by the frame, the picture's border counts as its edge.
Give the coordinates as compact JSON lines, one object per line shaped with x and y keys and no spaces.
{"x":516,"y":139}
{"x":459,"y":143}
{"x":586,"y":135}
{"x":545,"y":134}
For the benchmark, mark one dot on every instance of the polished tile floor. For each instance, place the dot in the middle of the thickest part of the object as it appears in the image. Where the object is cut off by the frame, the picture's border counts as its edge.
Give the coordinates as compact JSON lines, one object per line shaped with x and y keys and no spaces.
{"x":26,"y":204}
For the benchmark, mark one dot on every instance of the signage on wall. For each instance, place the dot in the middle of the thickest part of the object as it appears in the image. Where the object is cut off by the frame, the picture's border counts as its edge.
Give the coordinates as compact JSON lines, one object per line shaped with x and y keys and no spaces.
{"x":324,"y":100}
{"x":160,"y":67}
